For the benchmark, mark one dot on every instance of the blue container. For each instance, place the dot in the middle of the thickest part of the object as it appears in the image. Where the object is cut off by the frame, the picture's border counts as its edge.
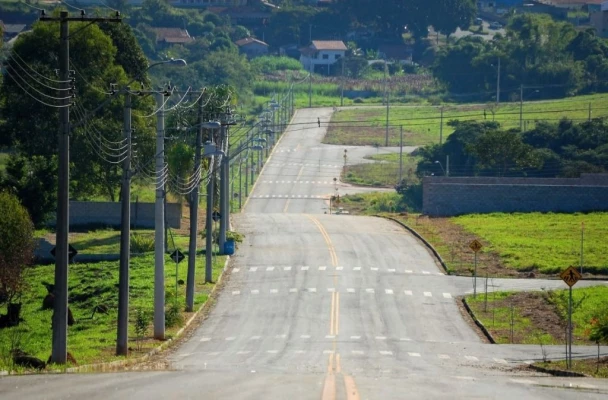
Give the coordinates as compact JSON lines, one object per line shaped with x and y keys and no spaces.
{"x":229,"y":247}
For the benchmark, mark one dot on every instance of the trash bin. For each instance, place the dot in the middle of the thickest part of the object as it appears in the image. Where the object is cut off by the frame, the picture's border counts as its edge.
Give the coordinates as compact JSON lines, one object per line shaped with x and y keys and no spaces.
{"x":229,"y":247}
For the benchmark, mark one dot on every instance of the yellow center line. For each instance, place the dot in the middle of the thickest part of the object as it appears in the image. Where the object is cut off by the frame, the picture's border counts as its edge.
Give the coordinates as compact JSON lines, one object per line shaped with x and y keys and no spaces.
{"x":337,"y":312}
{"x":338,"y":367}
{"x":332,"y":313}
{"x":351,"y":389}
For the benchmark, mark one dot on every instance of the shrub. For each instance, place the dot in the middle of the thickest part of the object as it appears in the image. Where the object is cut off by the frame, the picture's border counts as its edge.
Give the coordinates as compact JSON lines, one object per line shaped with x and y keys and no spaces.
{"x":142,"y":322}
{"x":173,"y":315}
{"x":268,"y":64}
{"x":358,"y":100}
{"x":141,"y":243}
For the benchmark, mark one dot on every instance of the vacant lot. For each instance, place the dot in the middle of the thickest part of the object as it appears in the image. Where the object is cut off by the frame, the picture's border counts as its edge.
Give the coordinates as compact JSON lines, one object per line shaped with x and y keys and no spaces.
{"x":547,"y":243}
{"x":423,"y":124}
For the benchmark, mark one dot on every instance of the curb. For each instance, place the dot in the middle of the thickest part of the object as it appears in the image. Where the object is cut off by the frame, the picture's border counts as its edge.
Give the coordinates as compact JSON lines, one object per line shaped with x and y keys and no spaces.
{"x":101,"y":367}
{"x":423,"y":240}
{"x":557,"y":372}
{"x":478,"y":322}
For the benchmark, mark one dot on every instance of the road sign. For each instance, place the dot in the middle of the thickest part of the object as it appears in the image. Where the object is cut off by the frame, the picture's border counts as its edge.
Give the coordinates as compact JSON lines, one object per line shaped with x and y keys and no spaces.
{"x":570,"y":276}
{"x":475,"y":245}
{"x":177,"y":256}
{"x":216,"y":216}
{"x":71,"y":252}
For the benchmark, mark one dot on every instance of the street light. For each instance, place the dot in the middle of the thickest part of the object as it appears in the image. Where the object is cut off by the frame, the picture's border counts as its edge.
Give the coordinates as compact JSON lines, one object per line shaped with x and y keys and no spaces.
{"x":439,"y":162}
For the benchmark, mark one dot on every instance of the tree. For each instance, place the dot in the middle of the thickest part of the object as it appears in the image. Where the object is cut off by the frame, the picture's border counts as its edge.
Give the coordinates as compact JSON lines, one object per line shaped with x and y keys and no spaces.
{"x":453,"y":14}
{"x":16,"y":253}
{"x":503,"y":151}
{"x":33,"y":127}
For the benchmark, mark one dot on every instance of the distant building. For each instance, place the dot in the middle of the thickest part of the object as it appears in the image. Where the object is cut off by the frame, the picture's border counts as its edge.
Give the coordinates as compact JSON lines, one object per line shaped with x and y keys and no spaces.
{"x":252,"y":47}
{"x":322,"y":53}
{"x":599,"y":20}
{"x":172,"y":36}
{"x":397,"y":52}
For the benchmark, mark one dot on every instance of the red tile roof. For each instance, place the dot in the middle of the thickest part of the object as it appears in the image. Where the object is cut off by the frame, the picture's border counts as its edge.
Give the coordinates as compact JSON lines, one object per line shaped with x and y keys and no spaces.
{"x":328,"y":45}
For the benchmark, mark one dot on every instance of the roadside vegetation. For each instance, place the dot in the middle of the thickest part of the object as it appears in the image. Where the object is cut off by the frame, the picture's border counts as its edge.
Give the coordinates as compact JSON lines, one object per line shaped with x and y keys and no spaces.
{"x":540,"y":318}
{"x":382,"y":171}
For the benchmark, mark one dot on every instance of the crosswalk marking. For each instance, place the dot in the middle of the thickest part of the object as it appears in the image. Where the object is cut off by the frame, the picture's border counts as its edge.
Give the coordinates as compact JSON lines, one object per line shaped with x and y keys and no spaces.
{"x":283,"y":336}
{"x":428,"y":294}
{"x":328,"y":352}
{"x":270,"y":269}
{"x":350,"y":290}
{"x":388,"y":291}
{"x":407,"y":292}
{"x":391,"y":270}
{"x":243,"y":352}
{"x":293,"y":290}
{"x":471,"y":358}
{"x":403,"y":339}
{"x":274,"y":291}
{"x":339,"y":268}
{"x":355,"y":337}
{"x":286,"y":268}
{"x":413,"y":354}
{"x":304,"y":336}
{"x":255,"y":291}
{"x":500,"y":360}
{"x":234,"y":292}
{"x":330,"y":336}
{"x":408,"y":271}
{"x":447,"y":295}
{"x":322,"y":268}
{"x":524,"y":381}
{"x":380,"y":337}
{"x":331,"y":289}
{"x":425,"y":272}
{"x":386,"y":352}
{"x":374,"y":269}
{"x":369,"y":290}
{"x":205,"y":339}
{"x":357,"y":269}
{"x":305,"y":268}
{"x":236,"y":270}
{"x":312,"y":290}
{"x":253,"y":269}
{"x":357,"y":352}
{"x":230,"y":338}
{"x":255,"y":338}
{"x":272,"y":351}
{"x":300,"y":351}
{"x":443,"y":356}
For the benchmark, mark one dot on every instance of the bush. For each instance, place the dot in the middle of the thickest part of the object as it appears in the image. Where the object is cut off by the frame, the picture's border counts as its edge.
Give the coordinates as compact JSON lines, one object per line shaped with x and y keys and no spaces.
{"x":268,"y":64}
{"x":142,"y":323}
{"x":358,"y":100}
{"x":141,"y":243}
{"x":173,"y":315}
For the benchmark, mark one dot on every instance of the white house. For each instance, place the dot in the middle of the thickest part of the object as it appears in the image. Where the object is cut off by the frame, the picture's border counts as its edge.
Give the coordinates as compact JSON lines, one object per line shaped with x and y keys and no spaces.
{"x":322,"y":53}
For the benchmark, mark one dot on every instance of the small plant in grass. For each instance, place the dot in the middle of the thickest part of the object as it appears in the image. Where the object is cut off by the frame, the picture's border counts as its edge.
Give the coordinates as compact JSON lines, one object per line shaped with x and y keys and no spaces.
{"x":599,"y":332}
{"x":173,"y":315}
{"x":141,"y":243}
{"x":16,"y":339}
{"x":142,"y":323}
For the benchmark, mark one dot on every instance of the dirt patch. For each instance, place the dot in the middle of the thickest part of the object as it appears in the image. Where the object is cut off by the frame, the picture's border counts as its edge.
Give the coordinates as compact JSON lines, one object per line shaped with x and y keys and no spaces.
{"x":534,"y":306}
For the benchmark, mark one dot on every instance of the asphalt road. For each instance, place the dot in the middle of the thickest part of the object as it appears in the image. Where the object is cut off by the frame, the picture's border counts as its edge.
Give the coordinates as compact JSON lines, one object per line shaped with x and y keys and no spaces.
{"x":320,"y":306}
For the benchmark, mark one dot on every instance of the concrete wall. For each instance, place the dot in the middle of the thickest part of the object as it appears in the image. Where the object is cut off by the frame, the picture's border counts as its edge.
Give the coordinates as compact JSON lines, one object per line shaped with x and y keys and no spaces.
{"x":446,"y":196}
{"x":108,"y":213}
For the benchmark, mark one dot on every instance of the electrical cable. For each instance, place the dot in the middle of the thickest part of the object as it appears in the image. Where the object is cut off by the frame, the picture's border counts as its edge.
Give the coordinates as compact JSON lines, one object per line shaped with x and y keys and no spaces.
{"x":14,"y":53}
{"x":34,"y":97}
{"x":36,"y":80}
{"x":33,"y":88}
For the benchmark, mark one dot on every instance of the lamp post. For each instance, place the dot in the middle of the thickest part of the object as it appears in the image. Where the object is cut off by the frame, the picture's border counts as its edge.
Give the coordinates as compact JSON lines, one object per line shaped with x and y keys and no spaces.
{"x":440,"y":165}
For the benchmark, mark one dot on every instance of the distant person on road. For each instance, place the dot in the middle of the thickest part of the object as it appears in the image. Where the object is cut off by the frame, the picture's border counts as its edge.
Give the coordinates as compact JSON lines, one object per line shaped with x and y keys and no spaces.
{"x":319,"y":121}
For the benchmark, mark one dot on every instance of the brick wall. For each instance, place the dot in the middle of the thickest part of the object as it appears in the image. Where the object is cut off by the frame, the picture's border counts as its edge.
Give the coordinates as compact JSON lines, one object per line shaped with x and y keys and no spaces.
{"x":446,"y":196}
{"x":108,"y":213}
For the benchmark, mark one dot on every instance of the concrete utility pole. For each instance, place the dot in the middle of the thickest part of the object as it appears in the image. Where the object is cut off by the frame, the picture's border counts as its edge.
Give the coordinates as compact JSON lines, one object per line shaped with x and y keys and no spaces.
{"x":60,"y":309}
{"x":310,"y":90}
{"x":342,"y":86}
{"x":122,"y":335}
{"x":159,"y":224}
{"x":521,"y":107}
{"x":498,"y":84}
{"x":223,"y":190}
{"x":194,"y":213}
{"x":209,"y":223}
{"x":441,"y":127}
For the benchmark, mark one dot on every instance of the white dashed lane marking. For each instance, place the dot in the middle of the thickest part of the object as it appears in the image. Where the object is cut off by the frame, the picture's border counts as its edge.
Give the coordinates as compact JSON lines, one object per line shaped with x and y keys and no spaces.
{"x":471,"y":358}
{"x":413,"y":354}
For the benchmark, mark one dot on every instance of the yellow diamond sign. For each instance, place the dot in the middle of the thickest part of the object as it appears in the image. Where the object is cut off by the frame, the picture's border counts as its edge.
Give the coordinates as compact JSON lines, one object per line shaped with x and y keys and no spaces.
{"x":475,"y":245}
{"x":570,"y":276}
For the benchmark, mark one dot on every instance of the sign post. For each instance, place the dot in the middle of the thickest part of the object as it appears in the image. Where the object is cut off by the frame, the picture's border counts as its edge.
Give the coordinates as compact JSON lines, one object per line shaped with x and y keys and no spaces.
{"x":177,"y":256}
{"x":475,"y":245}
{"x":570,"y":276}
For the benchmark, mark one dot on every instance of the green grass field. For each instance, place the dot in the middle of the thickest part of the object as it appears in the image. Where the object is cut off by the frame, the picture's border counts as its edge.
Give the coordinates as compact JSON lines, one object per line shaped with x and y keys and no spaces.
{"x":383,"y":172}
{"x":422,"y":124}
{"x":547,"y":242}
{"x":92,"y":338}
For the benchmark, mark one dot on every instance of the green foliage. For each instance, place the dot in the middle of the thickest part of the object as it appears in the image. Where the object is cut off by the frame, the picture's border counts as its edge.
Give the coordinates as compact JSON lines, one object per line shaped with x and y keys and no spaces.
{"x":237,"y":237}
{"x":599,"y":326}
{"x":546,"y":242}
{"x":268,"y":64}
{"x":173,"y":315}
{"x":535,"y":51}
{"x":16,"y":247}
{"x":34,"y":181}
{"x":141,"y":243}
{"x":142,"y":324}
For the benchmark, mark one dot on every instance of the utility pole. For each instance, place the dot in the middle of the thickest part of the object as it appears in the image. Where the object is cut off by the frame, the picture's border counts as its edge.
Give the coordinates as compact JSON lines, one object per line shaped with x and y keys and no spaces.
{"x":224,"y":177}
{"x":194,"y":213}
{"x":521,"y":107}
{"x":159,"y":224}
{"x":441,"y":127}
{"x":387,"y":113}
{"x":209,"y":224}
{"x":310,"y":89}
{"x":498,"y":84}
{"x":400,"y":154}
{"x":342,"y":86}
{"x":60,"y":309}
{"x":122,"y":335}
